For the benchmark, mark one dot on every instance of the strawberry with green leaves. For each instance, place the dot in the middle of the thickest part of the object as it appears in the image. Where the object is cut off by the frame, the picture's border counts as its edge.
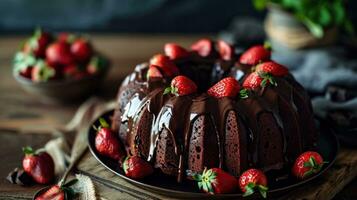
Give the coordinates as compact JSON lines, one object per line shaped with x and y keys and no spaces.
{"x":96,"y":64}
{"x":180,"y":86}
{"x":166,"y":65}
{"x":137,"y":168}
{"x":174,"y":51}
{"x":39,"y":165}
{"x":256,"y":55}
{"x":307,"y":164}
{"x":57,"y":192}
{"x":106,"y":143}
{"x":226,"y":51}
{"x":252,"y":180}
{"x":216,"y":181}
{"x":259,"y":79}
{"x":37,"y":44}
{"x":227,"y":87}
{"x":272,"y":68}
{"x":42,"y":72}
{"x":203,"y":47}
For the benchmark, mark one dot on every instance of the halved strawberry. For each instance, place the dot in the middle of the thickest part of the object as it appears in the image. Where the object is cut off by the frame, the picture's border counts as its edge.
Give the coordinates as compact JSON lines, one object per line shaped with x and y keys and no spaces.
{"x":251,"y":180}
{"x":227,"y":87}
{"x":259,"y":79}
{"x":273,"y":68}
{"x":166,"y":65}
{"x":153,"y":72}
{"x":180,"y":86}
{"x":225,"y":50}
{"x":255,"y":55}
{"x":174,"y":51}
{"x":203,"y":47}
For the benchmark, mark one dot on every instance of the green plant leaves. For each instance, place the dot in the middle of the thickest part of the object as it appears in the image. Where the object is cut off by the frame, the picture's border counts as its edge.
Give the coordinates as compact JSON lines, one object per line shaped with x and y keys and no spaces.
{"x":259,"y":4}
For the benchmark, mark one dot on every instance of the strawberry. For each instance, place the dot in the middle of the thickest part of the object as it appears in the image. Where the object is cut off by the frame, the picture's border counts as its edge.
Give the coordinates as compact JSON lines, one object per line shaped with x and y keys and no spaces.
{"x":167,"y":66}
{"x":70,"y":70}
{"x":96,"y":64}
{"x":258,"y":79}
{"x":136,"y":167}
{"x":26,"y":72}
{"x":42,"y":72}
{"x":66,"y":37}
{"x":54,"y":193}
{"x":307,"y":164}
{"x":153,"y":72}
{"x":216,"y":181}
{"x":37,"y":43}
{"x":175,"y":51}
{"x":81,"y":50}
{"x":58,"y":192}
{"x":225,"y":50}
{"x":203,"y":47}
{"x":180,"y":86}
{"x":39,"y":165}
{"x":255,"y":55}
{"x":251,"y":180}
{"x":272,"y":68}
{"x":58,"y":53}
{"x":107,"y":143}
{"x":227,"y":87}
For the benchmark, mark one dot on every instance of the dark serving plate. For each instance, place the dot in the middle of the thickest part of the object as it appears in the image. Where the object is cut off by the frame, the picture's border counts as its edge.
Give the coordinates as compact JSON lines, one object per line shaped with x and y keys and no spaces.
{"x":158,"y":182}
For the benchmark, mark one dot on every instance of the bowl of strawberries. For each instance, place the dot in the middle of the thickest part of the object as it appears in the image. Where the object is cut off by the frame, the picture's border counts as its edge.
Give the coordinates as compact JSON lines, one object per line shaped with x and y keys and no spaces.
{"x":59,"y":67}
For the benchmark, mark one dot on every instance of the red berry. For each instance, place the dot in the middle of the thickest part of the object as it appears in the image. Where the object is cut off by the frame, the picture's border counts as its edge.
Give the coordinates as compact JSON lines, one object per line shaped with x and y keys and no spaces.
{"x":307,"y":164}
{"x":70,"y":70}
{"x":81,"y":50}
{"x":180,"y":86}
{"x":225,"y":50}
{"x":136,"y":167}
{"x":66,"y":37}
{"x":27,"y":72}
{"x":154,"y":72}
{"x":167,"y":66}
{"x":255,"y":55}
{"x":227,"y":87}
{"x":216,"y":181}
{"x":203,"y":47}
{"x":54,"y":193}
{"x":175,"y":51}
{"x":259,"y":79}
{"x":59,"y":53}
{"x":272,"y":68}
{"x":39,"y":166}
{"x":37,"y":43}
{"x":107,"y":143}
{"x":251,"y":180}
{"x":42,"y":72}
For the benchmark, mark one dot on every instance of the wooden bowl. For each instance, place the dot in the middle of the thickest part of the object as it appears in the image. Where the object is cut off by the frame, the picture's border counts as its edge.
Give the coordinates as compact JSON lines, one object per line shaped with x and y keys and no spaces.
{"x":62,"y":91}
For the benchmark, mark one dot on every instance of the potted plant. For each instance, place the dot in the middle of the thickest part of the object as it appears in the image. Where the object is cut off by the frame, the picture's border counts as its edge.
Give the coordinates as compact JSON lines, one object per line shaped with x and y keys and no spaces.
{"x":304,"y":23}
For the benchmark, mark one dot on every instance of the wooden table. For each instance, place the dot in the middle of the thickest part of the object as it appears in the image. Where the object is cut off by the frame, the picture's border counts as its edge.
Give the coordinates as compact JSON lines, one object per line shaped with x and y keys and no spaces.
{"x":21,"y":112}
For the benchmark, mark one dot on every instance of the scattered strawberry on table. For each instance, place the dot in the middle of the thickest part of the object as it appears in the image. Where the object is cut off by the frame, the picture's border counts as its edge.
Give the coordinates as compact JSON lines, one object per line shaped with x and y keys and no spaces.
{"x":180,"y":86}
{"x":46,"y":57}
{"x":39,"y":165}
{"x":216,"y":181}
{"x":57,"y":192}
{"x":252,"y":180}
{"x":107,"y":143}
{"x":307,"y":164}
{"x":137,"y":168}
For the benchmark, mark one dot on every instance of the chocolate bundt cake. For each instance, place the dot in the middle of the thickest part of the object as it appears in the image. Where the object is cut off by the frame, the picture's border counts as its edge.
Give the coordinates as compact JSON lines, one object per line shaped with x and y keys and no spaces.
{"x":266,"y":129}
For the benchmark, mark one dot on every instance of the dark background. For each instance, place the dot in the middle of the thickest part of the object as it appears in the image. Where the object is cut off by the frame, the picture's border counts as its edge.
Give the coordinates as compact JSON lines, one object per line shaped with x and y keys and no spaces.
{"x":139,"y":16}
